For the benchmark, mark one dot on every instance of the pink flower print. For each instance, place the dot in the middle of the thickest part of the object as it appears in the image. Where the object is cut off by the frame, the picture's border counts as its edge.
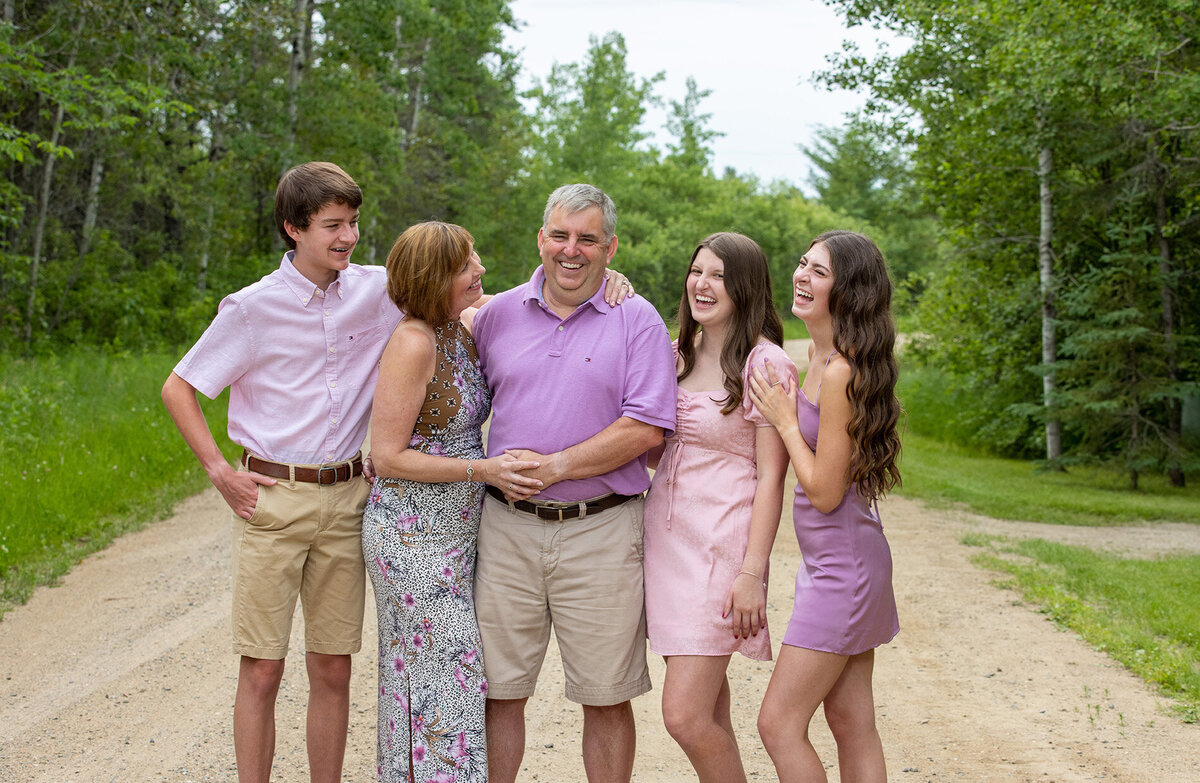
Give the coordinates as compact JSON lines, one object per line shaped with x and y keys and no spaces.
{"x":418,"y":641}
{"x":398,"y":664}
{"x":464,"y":514}
{"x":419,"y":753}
{"x":418,"y":724}
{"x":427,"y":624}
{"x":454,"y":553}
{"x":382,"y":690}
{"x":461,"y":677}
{"x":409,"y":600}
{"x":406,"y":522}
{"x":447,"y":572}
{"x":455,"y":590}
{"x":469,"y":657}
{"x":383,"y":567}
{"x":391,"y":725}
{"x":459,"y":748}
{"x":483,"y":686}
{"x":442,"y":776}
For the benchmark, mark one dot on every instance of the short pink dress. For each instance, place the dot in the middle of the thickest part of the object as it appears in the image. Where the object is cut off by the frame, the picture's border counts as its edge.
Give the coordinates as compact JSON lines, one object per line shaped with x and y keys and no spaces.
{"x":697,"y":520}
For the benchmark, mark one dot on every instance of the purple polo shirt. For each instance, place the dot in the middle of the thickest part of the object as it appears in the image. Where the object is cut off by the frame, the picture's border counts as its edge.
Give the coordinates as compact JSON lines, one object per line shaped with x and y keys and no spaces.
{"x":557,"y":382}
{"x":301,"y":364}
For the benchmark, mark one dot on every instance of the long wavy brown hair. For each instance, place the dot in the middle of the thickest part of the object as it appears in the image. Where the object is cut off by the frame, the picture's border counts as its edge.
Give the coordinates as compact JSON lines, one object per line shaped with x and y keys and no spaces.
{"x":748,"y":284}
{"x":860,"y":303}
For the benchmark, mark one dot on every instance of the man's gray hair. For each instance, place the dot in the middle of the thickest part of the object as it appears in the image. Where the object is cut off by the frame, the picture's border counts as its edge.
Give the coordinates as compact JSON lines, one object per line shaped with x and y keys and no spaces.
{"x":581,"y":196}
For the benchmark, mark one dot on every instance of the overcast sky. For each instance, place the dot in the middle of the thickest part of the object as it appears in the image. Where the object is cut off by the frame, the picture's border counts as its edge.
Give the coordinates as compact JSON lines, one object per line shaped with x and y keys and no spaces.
{"x":757,"y":57}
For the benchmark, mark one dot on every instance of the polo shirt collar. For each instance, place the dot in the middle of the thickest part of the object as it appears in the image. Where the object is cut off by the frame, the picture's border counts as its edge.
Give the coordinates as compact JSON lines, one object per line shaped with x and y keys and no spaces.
{"x":534,"y":293}
{"x":304,"y":289}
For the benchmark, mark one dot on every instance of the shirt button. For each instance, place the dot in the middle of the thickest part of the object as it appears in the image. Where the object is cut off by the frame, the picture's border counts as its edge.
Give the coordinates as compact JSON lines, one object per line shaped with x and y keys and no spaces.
{"x":560,"y":328}
{"x":332,"y":349}
{"x":333,"y":385}
{"x":326,"y":312}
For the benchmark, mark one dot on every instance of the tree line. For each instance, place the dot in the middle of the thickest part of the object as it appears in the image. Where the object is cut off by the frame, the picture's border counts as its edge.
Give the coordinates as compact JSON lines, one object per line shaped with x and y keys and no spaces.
{"x":140,"y":145}
{"x":1058,"y":145}
{"x":1030,"y":170}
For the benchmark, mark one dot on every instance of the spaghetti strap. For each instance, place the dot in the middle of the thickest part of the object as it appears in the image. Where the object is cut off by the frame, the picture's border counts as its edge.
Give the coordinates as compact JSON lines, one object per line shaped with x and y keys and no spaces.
{"x":827,"y":358}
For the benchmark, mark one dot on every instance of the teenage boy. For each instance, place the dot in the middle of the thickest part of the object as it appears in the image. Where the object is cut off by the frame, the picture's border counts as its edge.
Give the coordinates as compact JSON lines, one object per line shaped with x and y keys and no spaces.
{"x":299,"y":350}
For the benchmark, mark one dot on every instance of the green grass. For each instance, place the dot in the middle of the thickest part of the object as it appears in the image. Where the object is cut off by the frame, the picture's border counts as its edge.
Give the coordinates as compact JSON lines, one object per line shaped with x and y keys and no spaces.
{"x":938,"y":473}
{"x":89,"y":453}
{"x":1143,"y":613}
{"x":793,"y":327}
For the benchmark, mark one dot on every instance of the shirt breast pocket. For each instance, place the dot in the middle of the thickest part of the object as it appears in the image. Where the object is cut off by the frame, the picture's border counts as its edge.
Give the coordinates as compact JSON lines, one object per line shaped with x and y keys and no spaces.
{"x":362,"y":350}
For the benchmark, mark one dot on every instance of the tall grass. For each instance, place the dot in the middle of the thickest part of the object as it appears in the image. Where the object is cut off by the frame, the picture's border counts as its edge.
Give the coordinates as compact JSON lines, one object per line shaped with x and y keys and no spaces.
{"x":88,"y":453}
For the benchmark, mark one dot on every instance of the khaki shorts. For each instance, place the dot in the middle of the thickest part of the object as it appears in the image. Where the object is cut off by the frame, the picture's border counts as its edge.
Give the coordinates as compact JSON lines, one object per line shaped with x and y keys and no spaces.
{"x":581,"y":576}
{"x":303,"y":540}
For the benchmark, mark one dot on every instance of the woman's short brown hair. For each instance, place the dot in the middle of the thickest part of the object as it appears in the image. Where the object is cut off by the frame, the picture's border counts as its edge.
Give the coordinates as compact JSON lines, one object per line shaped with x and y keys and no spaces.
{"x":421,"y":266}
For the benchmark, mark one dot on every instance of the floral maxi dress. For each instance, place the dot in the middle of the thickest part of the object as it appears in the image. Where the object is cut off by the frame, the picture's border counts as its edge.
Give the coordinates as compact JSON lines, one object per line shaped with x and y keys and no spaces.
{"x":419,"y":545}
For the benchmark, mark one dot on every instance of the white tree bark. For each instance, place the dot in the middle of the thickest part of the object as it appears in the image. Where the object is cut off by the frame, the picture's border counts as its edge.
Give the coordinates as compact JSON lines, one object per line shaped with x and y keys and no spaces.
{"x":1049,"y":315}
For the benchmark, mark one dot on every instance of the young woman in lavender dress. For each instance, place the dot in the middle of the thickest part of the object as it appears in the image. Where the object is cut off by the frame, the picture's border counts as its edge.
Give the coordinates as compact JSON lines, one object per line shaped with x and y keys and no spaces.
{"x":839,"y":428}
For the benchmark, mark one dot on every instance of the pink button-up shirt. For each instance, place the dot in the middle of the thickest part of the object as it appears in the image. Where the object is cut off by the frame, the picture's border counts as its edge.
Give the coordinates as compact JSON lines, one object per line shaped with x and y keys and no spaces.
{"x":301,"y":363}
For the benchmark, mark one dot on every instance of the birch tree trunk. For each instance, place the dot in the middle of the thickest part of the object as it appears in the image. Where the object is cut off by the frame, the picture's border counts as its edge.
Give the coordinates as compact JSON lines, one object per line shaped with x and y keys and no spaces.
{"x":302,"y":12}
{"x":1166,"y":292}
{"x":414,"y":93}
{"x":39,"y":230}
{"x":85,"y":235}
{"x":1049,"y":315}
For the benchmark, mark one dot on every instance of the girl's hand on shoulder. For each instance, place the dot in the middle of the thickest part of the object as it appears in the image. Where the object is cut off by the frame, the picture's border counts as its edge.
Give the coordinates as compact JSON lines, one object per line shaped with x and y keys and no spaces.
{"x":746,"y":605}
{"x":616,"y":287}
{"x":774,"y":397}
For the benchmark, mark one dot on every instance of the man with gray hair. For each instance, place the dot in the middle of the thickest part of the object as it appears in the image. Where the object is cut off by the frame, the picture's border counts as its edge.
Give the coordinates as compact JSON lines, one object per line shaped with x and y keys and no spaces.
{"x":585,"y":389}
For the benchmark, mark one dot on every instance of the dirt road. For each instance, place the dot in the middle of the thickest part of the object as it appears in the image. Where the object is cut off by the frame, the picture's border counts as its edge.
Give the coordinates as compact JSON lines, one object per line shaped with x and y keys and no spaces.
{"x":123,"y":673}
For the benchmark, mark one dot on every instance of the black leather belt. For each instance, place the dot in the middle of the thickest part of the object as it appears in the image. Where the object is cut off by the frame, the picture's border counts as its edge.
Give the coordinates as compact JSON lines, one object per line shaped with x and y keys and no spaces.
{"x":557,"y":511}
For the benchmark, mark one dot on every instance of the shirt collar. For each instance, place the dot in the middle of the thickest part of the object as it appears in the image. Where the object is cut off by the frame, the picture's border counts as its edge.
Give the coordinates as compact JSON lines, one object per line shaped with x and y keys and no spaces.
{"x":304,"y":289}
{"x":534,"y":293}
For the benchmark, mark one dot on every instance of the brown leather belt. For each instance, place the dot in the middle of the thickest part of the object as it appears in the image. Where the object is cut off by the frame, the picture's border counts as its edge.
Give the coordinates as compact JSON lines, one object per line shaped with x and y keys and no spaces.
{"x":326,"y":474}
{"x":558,"y":511}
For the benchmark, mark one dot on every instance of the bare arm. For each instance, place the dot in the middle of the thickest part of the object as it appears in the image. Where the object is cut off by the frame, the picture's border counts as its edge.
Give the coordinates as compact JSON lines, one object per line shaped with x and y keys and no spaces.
{"x":747,"y":599}
{"x":624,"y":440}
{"x":408,"y":363}
{"x":824,"y":476}
{"x":240,"y":489}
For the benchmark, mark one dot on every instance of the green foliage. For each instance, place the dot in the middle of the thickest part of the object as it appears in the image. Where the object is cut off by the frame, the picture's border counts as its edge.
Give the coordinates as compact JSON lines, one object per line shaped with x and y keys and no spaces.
{"x":1076,"y":125}
{"x":89,"y":453}
{"x":161,"y":200}
{"x":1143,"y":613}
{"x":862,"y":171}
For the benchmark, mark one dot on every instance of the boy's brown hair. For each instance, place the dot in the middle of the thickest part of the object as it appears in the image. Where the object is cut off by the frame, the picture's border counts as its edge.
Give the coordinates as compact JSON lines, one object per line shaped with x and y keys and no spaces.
{"x":305,"y":189}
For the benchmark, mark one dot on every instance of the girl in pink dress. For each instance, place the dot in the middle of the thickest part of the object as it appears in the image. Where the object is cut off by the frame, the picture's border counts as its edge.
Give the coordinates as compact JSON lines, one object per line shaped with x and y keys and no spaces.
{"x":840,"y":432}
{"x":714,"y":505}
